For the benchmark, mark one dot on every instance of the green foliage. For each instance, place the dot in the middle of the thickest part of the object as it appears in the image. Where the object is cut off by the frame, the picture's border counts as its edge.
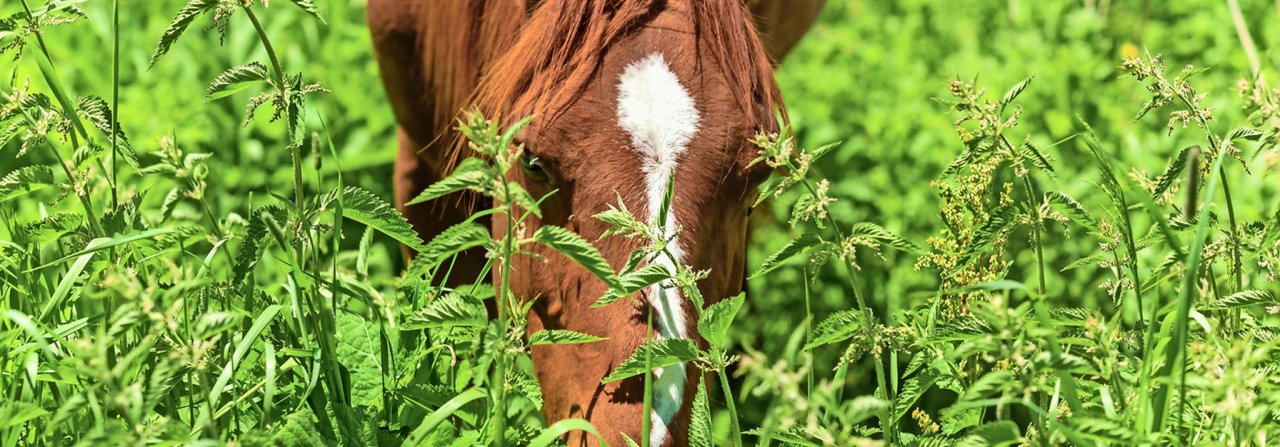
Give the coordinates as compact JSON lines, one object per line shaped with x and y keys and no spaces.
{"x":1027,"y":266}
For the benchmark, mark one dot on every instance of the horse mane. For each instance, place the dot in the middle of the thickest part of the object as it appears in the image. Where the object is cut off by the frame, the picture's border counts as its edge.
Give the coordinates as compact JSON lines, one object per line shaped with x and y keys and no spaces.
{"x":543,"y":65}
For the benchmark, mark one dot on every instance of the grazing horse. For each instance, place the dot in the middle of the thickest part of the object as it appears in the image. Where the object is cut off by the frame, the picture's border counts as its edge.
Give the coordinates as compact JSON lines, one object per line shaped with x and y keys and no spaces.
{"x":627,"y":95}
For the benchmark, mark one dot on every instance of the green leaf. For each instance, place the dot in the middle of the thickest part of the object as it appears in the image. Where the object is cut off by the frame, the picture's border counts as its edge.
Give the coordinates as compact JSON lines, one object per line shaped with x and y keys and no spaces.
{"x":797,"y":246}
{"x":838,"y":327}
{"x":1073,"y":209}
{"x":25,"y":180}
{"x":429,"y":424}
{"x":700,"y":434}
{"x":553,"y":433}
{"x":999,"y":433}
{"x":1240,"y":299}
{"x":179,"y":25}
{"x":561,"y":337}
{"x":472,"y":173}
{"x":236,"y":79}
{"x":1245,"y":133}
{"x":662,"y":353}
{"x":255,"y":242}
{"x":104,"y":243}
{"x":1172,"y":172}
{"x":365,"y":207}
{"x":451,"y":310}
{"x":577,"y":249}
{"x":714,"y":322}
{"x":454,"y":240}
{"x":911,"y":392}
{"x":1015,"y":91}
{"x":310,"y":8}
{"x":632,"y":282}
{"x":96,"y":110}
{"x":865,"y":407}
{"x":884,"y":236}
{"x":237,"y":357}
{"x":521,"y":197}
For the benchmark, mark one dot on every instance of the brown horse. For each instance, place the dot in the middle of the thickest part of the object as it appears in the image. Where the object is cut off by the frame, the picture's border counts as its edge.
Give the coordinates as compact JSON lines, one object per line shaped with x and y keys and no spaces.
{"x":626,"y":94}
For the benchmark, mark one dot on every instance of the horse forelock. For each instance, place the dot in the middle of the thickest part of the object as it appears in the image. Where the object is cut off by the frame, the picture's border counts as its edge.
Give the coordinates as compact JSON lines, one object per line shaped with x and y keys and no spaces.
{"x":546,"y":63}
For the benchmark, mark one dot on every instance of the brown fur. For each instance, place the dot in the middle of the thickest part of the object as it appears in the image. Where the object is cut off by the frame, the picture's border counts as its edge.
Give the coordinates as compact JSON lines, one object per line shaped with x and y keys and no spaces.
{"x":562,"y":66}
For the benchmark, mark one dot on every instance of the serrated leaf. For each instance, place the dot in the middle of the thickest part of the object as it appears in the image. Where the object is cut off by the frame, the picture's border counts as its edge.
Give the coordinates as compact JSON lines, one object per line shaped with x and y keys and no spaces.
{"x":256,"y":240}
{"x":714,"y":322}
{"x":369,"y":209}
{"x":838,"y":327}
{"x":454,"y":240}
{"x":885,"y":237}
{"x":561,"y":337}
{"x":577,"y":249}
{"x":700,"y":434}
{"x":236,"y":79}
{"x":1240,"y":299}
{"x":521,"y":197}
{"x":911,"y":392}
{"x":310,"y":8}
{"x":1073,"y":210}
{"x":795,"y":247}
{"x":181,"y":21}
{"x":1015,"y":91}
{"x":450,"y":310}
{"x":96,"y":110}
{"x":632,"y":282}
{"x":661,"y":354}
{"x":865,"y":407}
{"x":1245,"y":133}
{"x":24,"y":180}
{"x":472,"y":173}
{"x":1172,"y":172}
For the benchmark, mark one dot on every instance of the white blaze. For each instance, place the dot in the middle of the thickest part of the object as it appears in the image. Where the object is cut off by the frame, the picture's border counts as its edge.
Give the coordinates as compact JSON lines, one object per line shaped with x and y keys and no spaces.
{"x":660,"y":117}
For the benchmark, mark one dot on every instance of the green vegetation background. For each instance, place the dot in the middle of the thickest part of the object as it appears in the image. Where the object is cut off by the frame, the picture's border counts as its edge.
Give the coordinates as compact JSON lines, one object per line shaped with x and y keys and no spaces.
{"x":866,"y":76}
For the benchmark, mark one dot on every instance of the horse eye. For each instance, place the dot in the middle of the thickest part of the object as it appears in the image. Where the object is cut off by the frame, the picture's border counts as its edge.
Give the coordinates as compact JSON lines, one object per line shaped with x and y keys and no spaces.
{"x":533,"y":168}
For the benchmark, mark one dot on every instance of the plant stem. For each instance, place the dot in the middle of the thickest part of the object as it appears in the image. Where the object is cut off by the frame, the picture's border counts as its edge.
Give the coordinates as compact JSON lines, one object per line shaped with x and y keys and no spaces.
{"x":115,"y":102}
{"x":733,"y":411}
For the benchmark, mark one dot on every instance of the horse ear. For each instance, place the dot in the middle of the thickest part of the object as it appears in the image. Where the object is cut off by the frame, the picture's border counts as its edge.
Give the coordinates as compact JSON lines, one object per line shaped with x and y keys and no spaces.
{"x":781,"y":23}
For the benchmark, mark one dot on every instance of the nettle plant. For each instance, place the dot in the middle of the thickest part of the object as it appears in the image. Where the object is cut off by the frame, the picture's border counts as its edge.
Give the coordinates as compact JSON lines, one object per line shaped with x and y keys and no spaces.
{"x":492,"y":357}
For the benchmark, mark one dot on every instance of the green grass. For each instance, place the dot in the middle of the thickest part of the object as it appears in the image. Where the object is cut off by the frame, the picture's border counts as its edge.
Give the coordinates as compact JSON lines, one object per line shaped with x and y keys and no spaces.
{"x":997,"y":253}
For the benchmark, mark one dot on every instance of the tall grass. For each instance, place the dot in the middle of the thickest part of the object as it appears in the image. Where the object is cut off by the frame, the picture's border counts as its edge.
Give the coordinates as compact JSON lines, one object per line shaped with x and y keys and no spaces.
{"x":147,"y":309}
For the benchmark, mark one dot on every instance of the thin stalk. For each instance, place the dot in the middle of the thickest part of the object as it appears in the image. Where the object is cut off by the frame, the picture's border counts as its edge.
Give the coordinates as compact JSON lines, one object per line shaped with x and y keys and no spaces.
{"x":646,"y":414}
{"x":1035,"y":232}
{"x":115,"y":102}
{"x":887,"y":426}
{"x":733,"y":411}
{"x":278,"y":73}
{"x":70,"y":114}
{"x":504,"y":301}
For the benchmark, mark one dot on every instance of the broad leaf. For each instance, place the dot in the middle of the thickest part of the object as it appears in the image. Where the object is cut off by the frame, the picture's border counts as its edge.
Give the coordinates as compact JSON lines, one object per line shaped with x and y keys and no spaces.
{"x":579,"y":250}
{"x":472,"y":173}
{"x":561,"y":337}
{"x":365,"y":207}
{"x":632,"y":282}
{"x":714,"y":322}
{"x":661,"y":354}
{"x":798,"y":245}
{"x":450,"y":310}
{"x":838,"y":327}
{"x":237,"y":78}
{"x":186,"y":15}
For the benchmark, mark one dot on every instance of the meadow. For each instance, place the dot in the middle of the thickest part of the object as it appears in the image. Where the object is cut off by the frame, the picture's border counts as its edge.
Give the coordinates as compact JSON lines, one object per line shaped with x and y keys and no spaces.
{"x":992,"y":223}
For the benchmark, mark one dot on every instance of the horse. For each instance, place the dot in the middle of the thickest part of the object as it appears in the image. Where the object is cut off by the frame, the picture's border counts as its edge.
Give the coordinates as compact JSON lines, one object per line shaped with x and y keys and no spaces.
{"x":627,"y":96}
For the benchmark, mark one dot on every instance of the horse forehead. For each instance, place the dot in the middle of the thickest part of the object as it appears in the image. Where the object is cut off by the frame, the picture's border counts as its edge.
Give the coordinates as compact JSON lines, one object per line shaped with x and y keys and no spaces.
{"x":655,"y":109}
